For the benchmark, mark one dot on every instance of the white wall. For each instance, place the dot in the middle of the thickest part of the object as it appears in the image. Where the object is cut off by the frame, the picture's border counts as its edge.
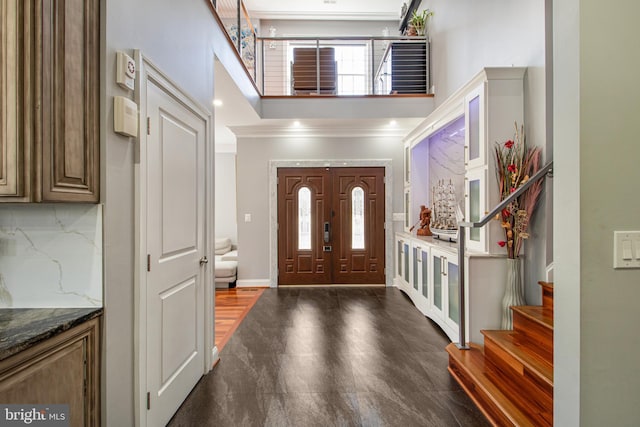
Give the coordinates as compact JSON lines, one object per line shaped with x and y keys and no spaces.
{"x":181,"y":40}
{"x":50,"y":255}
{"x":608,"y":152}
{"x":226,"y":212}
{"x":253,"y":185}
{"x":566,"y":181}
{"x":467,"y":35}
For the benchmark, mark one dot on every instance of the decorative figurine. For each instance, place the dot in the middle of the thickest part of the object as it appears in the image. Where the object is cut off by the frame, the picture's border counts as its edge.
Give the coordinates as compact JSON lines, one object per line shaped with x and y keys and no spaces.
{"x":425,"y":220}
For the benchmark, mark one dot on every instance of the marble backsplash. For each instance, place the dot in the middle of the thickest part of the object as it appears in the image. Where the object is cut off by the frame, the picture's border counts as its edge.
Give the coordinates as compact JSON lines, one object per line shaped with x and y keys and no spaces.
{"x":446,"y":157}
{"x":50,"y":255}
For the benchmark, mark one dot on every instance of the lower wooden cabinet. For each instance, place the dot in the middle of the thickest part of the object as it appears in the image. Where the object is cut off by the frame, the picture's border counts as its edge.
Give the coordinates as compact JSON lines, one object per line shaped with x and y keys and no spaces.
{"x":64,"y":369}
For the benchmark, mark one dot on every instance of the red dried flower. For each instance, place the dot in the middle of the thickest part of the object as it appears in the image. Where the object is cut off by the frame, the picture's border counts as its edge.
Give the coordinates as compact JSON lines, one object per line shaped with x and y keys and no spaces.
{"x":505,"y":212}
{"x":502,"y":243}
{"x":509,"y":144}
{"x":512,"y":168}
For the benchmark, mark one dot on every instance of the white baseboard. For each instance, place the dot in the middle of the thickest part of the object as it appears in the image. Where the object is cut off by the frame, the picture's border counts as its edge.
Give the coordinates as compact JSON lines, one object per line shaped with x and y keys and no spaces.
{"x":215,"y":355}
{"x":254,"y":283}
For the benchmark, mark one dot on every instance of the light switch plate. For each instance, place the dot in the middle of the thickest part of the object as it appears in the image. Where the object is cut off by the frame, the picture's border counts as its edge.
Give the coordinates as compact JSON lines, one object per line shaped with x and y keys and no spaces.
{"x":629,"y":258}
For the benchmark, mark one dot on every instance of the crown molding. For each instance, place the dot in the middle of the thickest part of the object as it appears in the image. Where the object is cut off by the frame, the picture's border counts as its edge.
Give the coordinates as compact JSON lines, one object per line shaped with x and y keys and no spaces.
{"x":318,"y":131}
{"x":324,"y":16}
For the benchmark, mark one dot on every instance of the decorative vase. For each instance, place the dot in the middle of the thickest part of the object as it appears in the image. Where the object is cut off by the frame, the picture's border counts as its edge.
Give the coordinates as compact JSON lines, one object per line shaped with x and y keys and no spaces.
{"x":513,"y":292}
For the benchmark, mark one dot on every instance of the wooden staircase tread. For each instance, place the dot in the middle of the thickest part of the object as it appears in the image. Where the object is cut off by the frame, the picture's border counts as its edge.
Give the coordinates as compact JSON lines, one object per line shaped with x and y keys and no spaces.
{"x":473,"y":363}
{"x":541,"y":315}
{"x":548,"y":285}
{"x":529,"y":357}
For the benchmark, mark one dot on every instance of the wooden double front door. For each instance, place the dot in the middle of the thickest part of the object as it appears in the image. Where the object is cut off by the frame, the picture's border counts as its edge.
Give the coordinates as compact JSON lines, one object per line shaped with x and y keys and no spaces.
{"x":331,"y":225}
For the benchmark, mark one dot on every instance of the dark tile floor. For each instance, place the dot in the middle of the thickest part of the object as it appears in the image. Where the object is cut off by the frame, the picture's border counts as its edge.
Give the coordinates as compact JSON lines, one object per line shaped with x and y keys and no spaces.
{"x":331,"y":357}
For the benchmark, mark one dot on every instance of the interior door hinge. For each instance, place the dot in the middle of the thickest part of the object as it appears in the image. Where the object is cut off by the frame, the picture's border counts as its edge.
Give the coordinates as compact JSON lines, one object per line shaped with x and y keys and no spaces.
{"x":148,"y":262}
{"x":148,"y":125}
{"x":148,"y":400}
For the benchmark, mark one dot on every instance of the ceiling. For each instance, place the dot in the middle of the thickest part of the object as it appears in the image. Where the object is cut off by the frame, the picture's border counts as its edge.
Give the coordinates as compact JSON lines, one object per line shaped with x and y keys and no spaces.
{"x":325,"y":9}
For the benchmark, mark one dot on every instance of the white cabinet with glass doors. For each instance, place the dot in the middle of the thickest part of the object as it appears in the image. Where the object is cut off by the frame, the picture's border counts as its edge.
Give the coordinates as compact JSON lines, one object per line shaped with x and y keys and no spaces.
{"x":487,"y":106}
{"x":427,"y":271}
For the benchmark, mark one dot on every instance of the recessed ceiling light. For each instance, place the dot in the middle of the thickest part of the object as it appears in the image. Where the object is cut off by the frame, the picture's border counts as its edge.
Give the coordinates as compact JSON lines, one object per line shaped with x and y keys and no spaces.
{"x":296,"y":124}
{"x":217,"y":102}
{"x":393,"y":123}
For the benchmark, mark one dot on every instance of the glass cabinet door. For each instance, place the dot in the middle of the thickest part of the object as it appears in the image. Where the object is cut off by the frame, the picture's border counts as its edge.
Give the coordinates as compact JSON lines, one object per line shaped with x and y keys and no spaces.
{"x":424,"y":273}
{"x":407,"y":165}
{"x":475,"y":207}
{"x":399,"y":244}
{"x":453,"y":300}
{"x":416,"y":264}
{"x":436,"y":271}
{"x":407,"y":207}
{"x":474,"y":125}
{"x":405,"y":261}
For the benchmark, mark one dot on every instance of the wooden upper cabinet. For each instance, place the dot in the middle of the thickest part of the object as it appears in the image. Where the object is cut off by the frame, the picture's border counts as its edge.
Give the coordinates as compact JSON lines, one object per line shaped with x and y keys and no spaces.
{"x":50,"y":89}
{"x":68,"y":53}
{"x":12,"y":97}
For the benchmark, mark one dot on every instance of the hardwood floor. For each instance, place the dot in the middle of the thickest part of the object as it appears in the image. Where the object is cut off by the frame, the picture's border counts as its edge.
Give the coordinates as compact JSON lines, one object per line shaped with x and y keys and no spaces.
{"x":232,"y":305}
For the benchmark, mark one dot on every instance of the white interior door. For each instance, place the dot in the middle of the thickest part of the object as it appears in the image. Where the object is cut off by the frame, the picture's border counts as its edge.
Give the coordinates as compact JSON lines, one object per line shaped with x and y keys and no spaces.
{"x":176,"y":244}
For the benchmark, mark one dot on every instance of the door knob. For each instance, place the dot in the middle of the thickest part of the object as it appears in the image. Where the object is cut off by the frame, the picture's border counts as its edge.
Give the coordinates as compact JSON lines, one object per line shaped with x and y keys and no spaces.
{"x":203,"y":260}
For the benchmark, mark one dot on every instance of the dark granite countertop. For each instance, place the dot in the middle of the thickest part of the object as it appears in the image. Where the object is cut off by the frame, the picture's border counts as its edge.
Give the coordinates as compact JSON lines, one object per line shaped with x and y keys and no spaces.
{"x":21,"y":328}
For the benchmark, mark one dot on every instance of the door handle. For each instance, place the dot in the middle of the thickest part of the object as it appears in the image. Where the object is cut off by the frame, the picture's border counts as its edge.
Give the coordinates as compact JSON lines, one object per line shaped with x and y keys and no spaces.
{"x":327,"y":232}
{"x":204,"y":260}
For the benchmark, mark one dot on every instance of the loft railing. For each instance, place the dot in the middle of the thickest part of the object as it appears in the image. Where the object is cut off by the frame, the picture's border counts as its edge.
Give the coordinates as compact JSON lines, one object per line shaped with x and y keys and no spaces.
{"x":360,"y":65}
{"x":349,"y":65}
{"x":236,"y":22}
{"x":545,"y":171}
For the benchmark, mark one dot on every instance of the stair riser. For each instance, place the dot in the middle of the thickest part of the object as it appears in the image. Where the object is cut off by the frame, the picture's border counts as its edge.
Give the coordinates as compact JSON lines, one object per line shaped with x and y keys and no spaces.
{"x":525,"y":381}
{"x":524,"y":395}
{"x":491,"y":411}
{"x":535,"y":333}
{"x":547,"y":298}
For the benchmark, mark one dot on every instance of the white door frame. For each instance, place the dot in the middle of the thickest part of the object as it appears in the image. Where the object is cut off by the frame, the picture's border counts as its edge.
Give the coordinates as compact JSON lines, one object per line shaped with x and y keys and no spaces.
{"x":147,"y":71}
{"x":273,"y":206}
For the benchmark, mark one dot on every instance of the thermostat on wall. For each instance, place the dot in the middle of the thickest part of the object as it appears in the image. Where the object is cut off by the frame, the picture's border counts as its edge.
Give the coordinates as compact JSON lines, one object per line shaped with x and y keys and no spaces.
{"x":126,"y":71}
{"x":125,"y":116}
